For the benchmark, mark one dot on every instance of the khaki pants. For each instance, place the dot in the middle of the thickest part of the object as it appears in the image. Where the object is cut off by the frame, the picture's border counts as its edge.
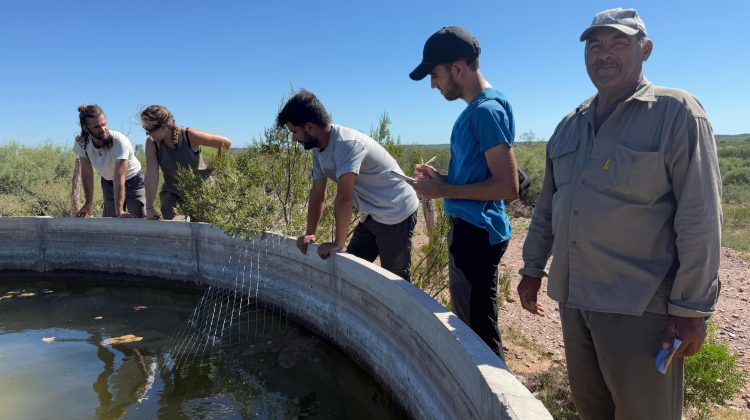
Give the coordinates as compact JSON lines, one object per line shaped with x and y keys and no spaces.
{"x":611,"y":366}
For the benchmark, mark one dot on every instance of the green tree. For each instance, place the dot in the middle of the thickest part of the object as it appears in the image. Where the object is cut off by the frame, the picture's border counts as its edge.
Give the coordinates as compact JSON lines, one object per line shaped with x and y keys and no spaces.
{"x":382,"y":135}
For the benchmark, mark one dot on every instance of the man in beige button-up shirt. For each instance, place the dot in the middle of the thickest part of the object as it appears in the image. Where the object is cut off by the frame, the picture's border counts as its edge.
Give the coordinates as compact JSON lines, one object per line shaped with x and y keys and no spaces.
{"x":630,"y":211}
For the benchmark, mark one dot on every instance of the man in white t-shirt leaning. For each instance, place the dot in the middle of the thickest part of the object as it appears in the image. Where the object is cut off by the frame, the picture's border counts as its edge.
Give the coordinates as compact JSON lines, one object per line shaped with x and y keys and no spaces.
{"x":364,"y":175}
{"x":111,"y":154}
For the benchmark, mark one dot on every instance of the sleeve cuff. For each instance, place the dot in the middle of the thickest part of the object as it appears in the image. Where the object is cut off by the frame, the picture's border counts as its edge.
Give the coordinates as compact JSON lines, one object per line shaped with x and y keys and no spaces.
{"x":673,"y":309}
{"x":343,"y":171}
{"x":532,"y":272}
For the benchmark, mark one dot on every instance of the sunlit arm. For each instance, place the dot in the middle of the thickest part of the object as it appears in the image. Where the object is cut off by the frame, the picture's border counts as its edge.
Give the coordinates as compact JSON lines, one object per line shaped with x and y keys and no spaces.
{"x":501,"y":185}
{"x":203,"y":138}
{"x":343,"y":205}
{"x":315,"y":205}
{"x":87,"y":179}
{"x":118,"y":182}
{"x":152,"y":174}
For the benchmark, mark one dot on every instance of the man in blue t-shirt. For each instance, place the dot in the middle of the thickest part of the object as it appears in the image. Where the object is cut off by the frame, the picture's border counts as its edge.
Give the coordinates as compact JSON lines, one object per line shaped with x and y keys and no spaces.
{"x":481,"y":174}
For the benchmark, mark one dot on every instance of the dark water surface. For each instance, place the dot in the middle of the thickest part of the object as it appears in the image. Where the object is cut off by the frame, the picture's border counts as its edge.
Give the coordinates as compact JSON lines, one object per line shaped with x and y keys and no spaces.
{"x":54,"y":364}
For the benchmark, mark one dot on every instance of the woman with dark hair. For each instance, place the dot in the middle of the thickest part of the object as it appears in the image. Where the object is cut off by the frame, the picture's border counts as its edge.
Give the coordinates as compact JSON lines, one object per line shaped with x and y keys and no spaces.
{"x":111,"y":154}
{"x":169,"y":147}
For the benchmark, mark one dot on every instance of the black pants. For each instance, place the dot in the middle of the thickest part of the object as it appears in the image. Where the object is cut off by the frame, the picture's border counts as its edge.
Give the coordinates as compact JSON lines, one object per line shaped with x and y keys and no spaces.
{"x":169,"y":202}
{"x":135,"y":196}
{"x":473,"y":280}
{"x":391,"y":242}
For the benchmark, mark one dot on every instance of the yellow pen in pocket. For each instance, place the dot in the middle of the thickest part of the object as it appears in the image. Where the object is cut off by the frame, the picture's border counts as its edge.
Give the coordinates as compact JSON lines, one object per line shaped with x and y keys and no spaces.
{"x":606,"y":164}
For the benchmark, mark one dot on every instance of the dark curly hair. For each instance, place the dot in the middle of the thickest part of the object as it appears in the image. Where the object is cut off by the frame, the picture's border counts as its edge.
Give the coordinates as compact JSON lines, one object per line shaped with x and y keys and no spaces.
{"x":301,"y":109}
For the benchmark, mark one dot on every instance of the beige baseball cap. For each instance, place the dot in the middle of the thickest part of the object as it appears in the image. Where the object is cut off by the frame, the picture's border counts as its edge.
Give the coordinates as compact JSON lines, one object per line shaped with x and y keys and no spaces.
{"x":626,"y":21}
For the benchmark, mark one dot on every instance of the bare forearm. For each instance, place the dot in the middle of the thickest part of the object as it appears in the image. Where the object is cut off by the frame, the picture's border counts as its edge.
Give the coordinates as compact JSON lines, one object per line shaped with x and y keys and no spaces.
{"x":152,"y":182}
{"x":343,"y":213}
{"x":203,"y":138}
{"x":487,"y":190}
{"x":502,"y":183}
{"x":119,"y":192}
{"x":87,"y":179}
{"x":314,"y":212}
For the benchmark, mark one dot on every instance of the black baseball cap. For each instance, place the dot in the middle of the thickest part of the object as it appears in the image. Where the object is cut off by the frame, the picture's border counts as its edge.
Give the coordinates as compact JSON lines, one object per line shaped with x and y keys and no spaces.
{"x":448,"y":44}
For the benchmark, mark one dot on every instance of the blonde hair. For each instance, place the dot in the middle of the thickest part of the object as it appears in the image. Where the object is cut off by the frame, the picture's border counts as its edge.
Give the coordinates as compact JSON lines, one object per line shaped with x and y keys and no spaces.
{"x":157,"y":115}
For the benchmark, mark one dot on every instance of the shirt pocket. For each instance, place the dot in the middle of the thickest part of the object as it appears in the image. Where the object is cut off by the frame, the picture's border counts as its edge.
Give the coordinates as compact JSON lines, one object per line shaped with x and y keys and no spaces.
{"x":563,"y":159}
{"x":638,"y":175}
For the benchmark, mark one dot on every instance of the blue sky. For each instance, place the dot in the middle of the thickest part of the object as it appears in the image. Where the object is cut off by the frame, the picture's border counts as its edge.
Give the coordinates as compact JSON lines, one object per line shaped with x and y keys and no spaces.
{"x":224,"y":66}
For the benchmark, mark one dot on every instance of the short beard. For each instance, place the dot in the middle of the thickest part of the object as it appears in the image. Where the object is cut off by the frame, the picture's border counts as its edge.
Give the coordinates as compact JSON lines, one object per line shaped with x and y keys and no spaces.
{"x":452,"y":91}
{"x":309,"y":142}
{"x":103,"y":140}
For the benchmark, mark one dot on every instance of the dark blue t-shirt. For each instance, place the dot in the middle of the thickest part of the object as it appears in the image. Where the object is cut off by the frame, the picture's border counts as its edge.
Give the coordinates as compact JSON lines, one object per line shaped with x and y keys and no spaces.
{"x":485,"y":123}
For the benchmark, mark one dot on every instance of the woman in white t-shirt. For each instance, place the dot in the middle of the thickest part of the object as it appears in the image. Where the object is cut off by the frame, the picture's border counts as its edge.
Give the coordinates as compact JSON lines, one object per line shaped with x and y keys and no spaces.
{"x":111,"y":154}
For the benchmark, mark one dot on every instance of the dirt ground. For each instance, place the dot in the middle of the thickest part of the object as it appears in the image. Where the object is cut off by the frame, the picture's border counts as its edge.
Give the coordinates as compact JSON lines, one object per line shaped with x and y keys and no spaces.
{"x":544,"y":333}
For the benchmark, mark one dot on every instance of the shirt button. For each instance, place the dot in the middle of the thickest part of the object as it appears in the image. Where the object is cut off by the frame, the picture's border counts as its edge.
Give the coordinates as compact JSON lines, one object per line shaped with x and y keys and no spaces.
{"x":575,"y":212}
{"x":573,"y":243}
{"x":583,"y":182}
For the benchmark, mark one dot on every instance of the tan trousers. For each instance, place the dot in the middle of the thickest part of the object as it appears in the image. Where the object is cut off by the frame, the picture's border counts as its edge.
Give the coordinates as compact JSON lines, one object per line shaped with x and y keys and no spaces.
{"x":611,"y":367}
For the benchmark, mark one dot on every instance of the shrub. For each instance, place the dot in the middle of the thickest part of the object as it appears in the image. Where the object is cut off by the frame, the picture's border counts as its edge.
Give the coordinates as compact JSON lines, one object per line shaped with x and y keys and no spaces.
{"x":730,"y":163}
{"x":735,"y":194}
{"x":429,"y":269}
{"x":739,"y":176}
{"x":531,"y":158}
{"x":734,"y":148}
{"x":11,"y":205}
{"x":232,"y":199}
{"x":712,"y":375}
{"x":504,"y":287}
{"x":553,"y":390}
{"x":35,"y":181}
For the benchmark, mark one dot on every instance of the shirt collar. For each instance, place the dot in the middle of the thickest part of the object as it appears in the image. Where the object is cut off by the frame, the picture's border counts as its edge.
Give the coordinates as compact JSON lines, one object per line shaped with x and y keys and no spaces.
{"x":644,"y":92}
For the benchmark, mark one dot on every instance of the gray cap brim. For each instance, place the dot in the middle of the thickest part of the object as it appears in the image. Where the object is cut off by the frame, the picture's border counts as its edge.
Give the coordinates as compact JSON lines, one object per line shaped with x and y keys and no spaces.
{"x":422,"y":70}
{"x":627,"y":30}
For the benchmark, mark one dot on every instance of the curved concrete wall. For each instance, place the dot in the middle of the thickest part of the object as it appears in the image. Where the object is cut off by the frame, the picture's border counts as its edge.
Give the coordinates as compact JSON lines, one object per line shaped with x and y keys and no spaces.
{"x":433,"y":364}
